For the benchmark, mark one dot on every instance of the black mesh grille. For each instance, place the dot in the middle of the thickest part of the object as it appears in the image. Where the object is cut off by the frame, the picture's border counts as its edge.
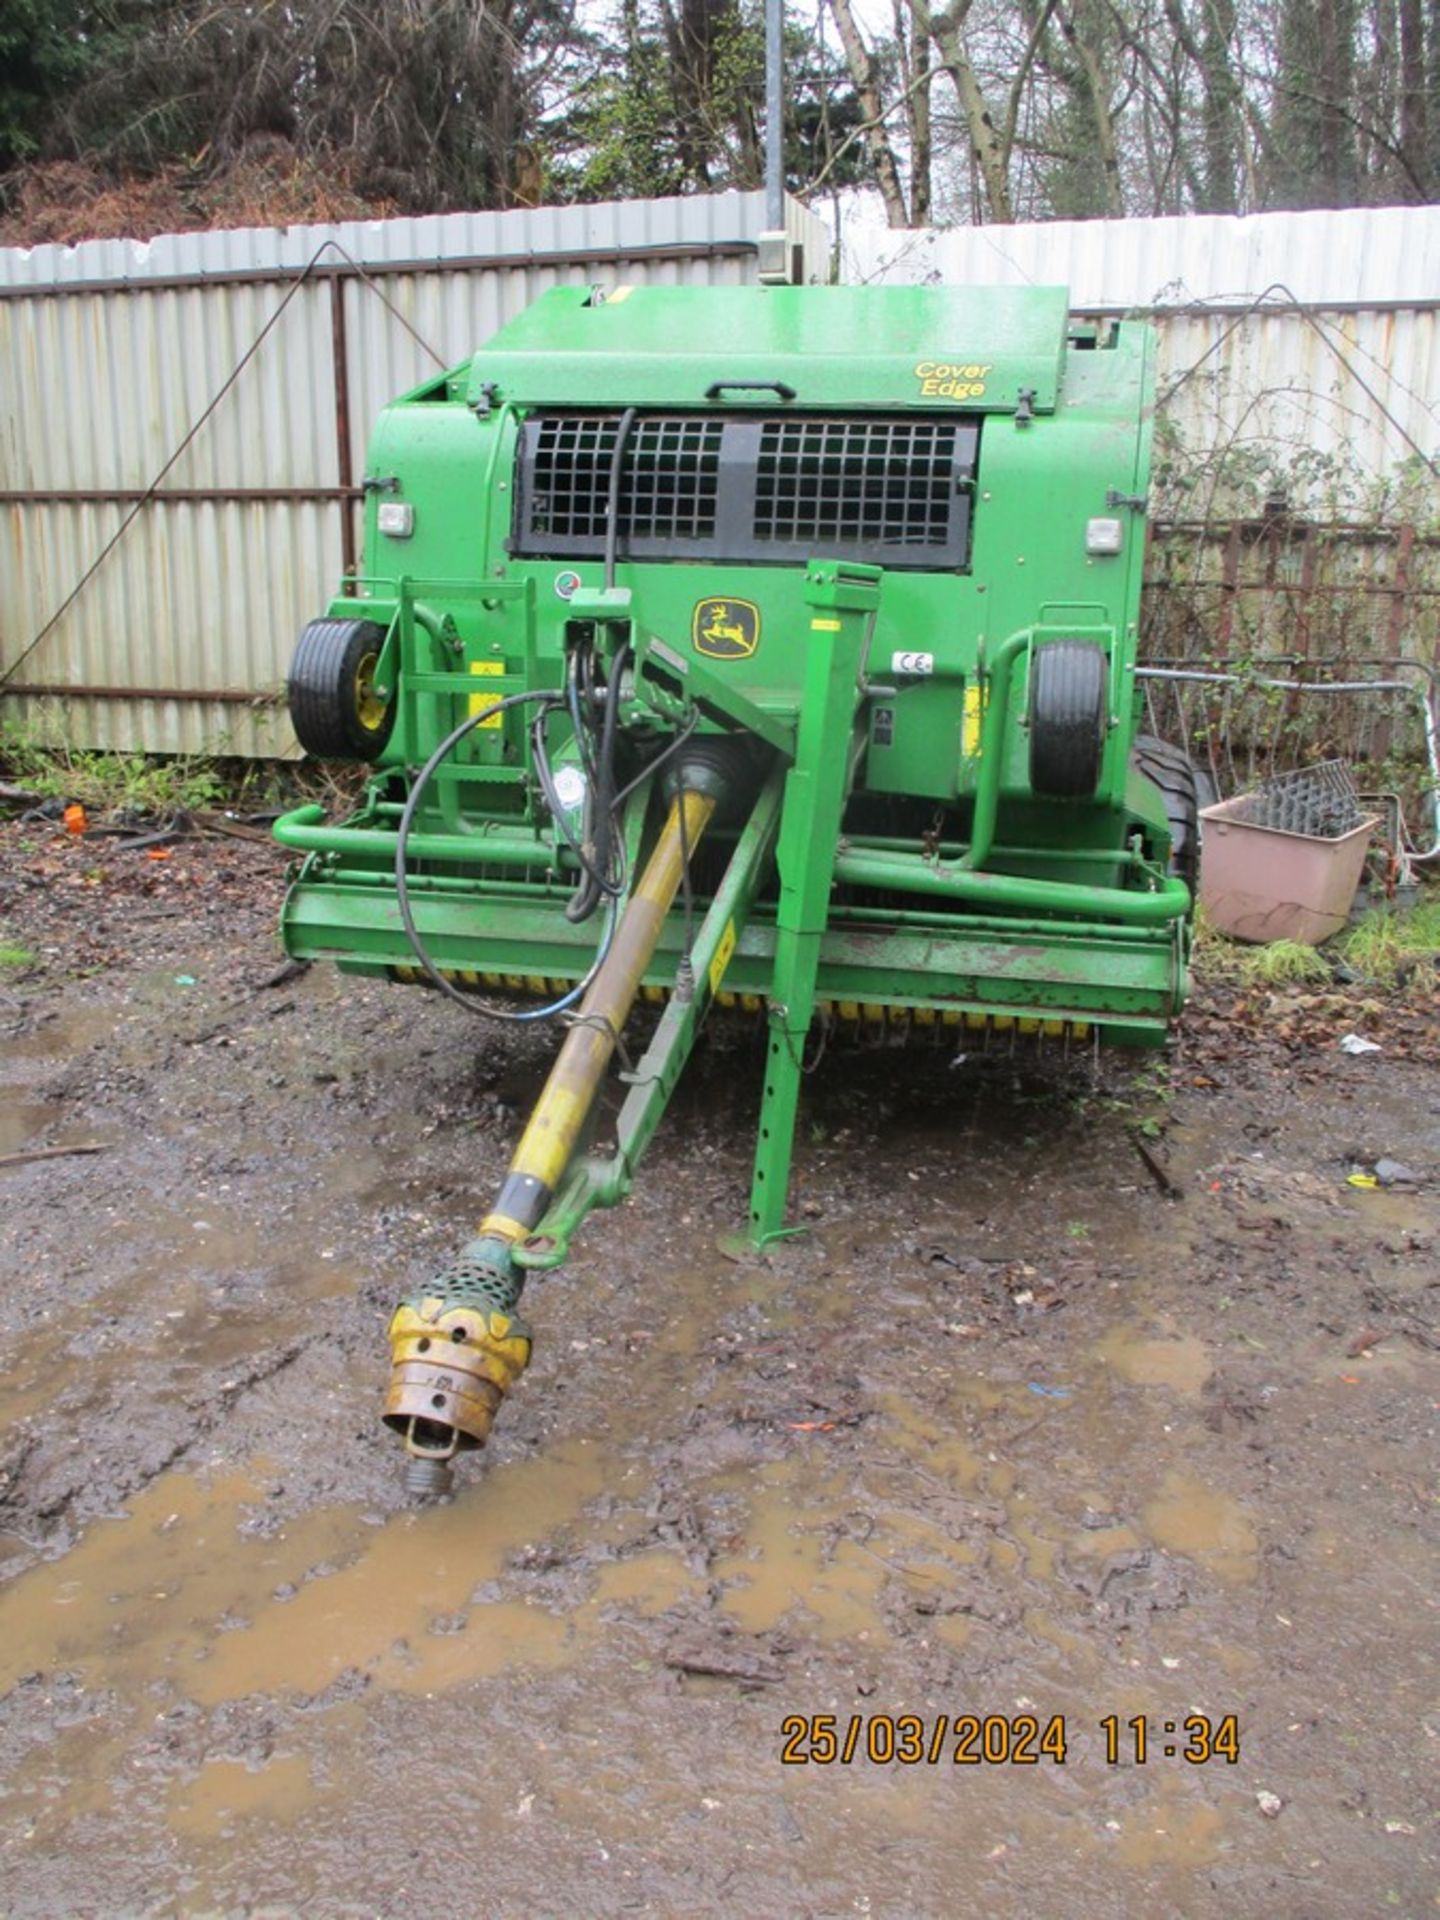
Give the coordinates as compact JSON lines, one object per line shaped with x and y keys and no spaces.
{"x":669,"y":478}
{"x":751,"y":486}
{"x":887,"y":483}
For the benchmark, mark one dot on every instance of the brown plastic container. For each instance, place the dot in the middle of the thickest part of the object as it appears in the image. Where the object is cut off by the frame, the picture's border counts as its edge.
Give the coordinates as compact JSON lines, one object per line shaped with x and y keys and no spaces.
{"x":1262,"y":884}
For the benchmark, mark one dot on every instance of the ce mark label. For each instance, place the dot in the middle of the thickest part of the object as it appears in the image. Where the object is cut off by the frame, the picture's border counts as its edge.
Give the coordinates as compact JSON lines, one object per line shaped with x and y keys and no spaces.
{"x":912,"y":663}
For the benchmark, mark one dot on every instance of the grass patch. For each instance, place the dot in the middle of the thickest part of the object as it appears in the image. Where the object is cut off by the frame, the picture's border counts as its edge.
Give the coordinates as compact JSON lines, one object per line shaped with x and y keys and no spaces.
{"x":16,"y":958}
{"x":40,"y":757}
{"x":1378,"y":950}
{"x":1389,"y":940}
{"x":112,"y":782}
{"x":1285,"y":963}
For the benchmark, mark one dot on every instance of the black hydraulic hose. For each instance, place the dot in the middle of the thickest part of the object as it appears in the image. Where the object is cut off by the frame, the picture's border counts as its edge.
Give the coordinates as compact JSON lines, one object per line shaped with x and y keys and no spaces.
{"x":612,"y":504}
{"x":612,"y":712}
{"x":582,"y":698}
{"x":653,"y":766}
{"x":580,"y":693}
{"x":557,"y":808}
{"x":597,"y":829}
{"x":606,"y":825}
{"x":602,"y":874}
{"x":402,"y":890}
{"x":587,"y":895}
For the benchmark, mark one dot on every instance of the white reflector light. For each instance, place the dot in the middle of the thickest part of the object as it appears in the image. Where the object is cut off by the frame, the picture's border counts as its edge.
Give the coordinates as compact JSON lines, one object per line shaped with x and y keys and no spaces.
{"x":397,"y":518}
{"x":1101,"y":536}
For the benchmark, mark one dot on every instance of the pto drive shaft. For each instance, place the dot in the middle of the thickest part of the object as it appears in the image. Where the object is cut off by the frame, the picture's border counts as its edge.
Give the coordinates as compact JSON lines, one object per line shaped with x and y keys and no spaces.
{"x":458,"y":1345}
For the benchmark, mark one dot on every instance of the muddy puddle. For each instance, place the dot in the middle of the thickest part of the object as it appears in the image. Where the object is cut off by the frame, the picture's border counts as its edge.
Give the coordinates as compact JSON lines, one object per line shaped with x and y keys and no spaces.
{"x":1008,"y":1434}
{"x":1177,"y":1360}
{"x":183,"y":1590}
{"x":22,"y":1121}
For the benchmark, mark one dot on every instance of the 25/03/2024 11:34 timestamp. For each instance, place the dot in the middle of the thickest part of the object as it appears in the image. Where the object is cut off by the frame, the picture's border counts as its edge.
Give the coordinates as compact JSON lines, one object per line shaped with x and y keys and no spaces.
{"x":995,"y":1739}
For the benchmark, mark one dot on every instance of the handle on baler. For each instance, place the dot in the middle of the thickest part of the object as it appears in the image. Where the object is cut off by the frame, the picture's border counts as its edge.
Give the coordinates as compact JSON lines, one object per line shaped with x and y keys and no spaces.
{"x":780,"y":387}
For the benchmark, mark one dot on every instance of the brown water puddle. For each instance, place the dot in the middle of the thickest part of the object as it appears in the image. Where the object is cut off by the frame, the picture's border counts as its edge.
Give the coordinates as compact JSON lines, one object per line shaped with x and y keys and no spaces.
{"x":1178,"y":1361}
{"x":948,"y":1458}
{"x":1188,"y":1517}
{"x":179,"y":1591}
{"x":810,"y":1550}
{"x":69,"y":1032}
{"x":646,"y":1584}
{"x":22,"y":1121}
{"x":227,"y":1793}
{"x":174,"y":1592}
{"x":811,"y":1568}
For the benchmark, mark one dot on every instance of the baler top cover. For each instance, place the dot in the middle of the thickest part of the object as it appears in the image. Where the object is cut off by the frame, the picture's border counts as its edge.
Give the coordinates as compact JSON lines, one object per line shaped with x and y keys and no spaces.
{"x":827,"y":346}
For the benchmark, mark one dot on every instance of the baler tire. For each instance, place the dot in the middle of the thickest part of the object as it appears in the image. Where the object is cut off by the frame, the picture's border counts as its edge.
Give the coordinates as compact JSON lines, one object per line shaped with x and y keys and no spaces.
{"x":1172,"y":770}
{"x":1067,"y":719}
{"x":332,"y":709}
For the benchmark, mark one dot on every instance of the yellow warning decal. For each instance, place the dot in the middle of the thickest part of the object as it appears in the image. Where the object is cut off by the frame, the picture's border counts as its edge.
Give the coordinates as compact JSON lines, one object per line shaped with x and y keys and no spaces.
{"x":952,"y":379}
{"x":722,"y":956}
{"x":725,"y":629}
{"x":825,"y":626}
{"x":479,"y":701}
{"x":976,"y":700}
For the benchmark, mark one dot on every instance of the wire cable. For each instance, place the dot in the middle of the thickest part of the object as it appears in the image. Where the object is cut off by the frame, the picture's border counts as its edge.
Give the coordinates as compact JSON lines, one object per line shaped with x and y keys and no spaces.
{"x":651,"y":766}
{"x":1263,"y":304}
{"x":612,"y":504}
{"x":482,"y":1008}
{"x":608,"y":886}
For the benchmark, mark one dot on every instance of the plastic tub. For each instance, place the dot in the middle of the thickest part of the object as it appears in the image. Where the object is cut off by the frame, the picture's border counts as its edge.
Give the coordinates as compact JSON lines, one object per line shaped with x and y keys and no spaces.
{"x":1262,"y":884}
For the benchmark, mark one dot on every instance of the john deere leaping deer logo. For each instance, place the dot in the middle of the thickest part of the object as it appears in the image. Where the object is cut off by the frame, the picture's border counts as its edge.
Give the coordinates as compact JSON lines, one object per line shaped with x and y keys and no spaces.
{"x":726,"y":629}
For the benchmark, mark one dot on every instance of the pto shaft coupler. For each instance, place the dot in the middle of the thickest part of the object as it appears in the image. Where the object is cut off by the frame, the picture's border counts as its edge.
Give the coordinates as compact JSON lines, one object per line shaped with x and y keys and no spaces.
{"x":457,"y":1346}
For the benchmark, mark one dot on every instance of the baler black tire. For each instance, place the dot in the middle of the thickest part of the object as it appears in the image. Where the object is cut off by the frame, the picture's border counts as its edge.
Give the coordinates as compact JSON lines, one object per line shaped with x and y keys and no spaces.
{"x":1172,"y":770}
{"x":1067,"y":719}
{"x":328,"y":690}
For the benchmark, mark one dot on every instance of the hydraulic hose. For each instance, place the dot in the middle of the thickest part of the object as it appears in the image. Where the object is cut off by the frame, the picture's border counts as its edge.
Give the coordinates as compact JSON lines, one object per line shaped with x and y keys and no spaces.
{"x":612,"y":503}
{"x":596,"y":863}
{"x":402,"y":890}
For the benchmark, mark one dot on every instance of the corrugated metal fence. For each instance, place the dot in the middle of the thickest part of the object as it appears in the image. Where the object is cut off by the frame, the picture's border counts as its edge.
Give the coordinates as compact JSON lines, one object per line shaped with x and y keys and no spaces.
{"x":1295,"y":509}
{"x":1307,"y":341}
{"x":231,"y":536}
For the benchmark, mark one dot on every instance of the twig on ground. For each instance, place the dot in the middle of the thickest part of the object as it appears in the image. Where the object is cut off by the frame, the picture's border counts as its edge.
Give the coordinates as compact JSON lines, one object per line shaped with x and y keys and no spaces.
{"x":1157,"y":1173}
{"x":52,"y":1153}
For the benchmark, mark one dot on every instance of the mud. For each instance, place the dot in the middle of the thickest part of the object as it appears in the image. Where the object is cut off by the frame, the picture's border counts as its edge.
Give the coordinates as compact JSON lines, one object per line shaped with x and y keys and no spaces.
{"x":1007,"y":1432}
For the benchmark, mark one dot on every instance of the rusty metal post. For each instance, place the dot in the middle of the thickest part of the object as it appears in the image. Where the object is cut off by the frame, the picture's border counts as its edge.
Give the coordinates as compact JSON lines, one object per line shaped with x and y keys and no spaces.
{"x":340,"y":367}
